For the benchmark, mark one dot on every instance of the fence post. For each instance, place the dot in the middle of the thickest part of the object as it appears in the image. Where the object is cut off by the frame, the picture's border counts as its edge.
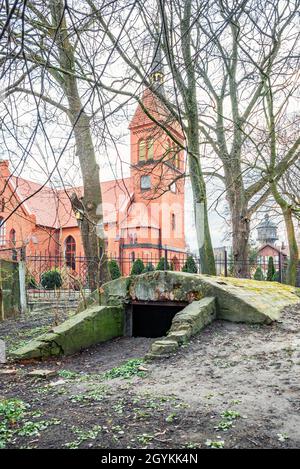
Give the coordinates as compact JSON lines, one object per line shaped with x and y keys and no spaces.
{"x":225,"y":263}
{"x":166,"y":259}
{"x":280,"y":267}
{"x":22,"y":281}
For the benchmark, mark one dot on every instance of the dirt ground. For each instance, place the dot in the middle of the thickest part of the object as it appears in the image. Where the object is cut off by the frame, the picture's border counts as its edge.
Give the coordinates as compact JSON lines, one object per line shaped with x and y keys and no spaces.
{"x":233,"y":386}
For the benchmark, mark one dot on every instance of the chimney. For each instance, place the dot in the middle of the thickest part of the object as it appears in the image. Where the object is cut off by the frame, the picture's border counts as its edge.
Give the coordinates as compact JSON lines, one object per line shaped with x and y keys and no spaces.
{"x":4,"y":168}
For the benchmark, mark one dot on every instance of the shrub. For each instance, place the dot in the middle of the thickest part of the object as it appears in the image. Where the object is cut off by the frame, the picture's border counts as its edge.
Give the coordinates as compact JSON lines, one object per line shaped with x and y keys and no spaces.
{"x":259,"y":275}
{"x":114,"y":269}
{"x":51,"y":279}
{"x":190,"y":266}
{"x":149,"y":267}
{"x":276,"y":276}
{"x":271,"y":269}
{"x":137,"y":267}
{"x":31,"y":282}
{"x":161,"y":264}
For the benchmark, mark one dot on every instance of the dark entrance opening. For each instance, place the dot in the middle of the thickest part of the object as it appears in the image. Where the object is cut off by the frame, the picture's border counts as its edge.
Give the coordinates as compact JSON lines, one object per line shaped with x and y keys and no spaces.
{"x":153,"y":319}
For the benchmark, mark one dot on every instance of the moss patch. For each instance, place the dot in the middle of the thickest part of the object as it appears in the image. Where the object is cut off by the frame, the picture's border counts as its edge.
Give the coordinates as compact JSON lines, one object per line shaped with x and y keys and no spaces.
{"x":94,"y":325}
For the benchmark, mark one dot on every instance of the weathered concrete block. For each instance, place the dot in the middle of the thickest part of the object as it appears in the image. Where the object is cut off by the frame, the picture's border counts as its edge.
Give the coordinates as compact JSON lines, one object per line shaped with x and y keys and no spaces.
{"x":188,"y":322}
{"x":238,"y":300}
{"x":42,"y":373}
{"x":181,"y":336}
{"x":195,"y":316}
{"x":162,"y":348}
{"x":94,"y":325}
{"x":115,"y":292}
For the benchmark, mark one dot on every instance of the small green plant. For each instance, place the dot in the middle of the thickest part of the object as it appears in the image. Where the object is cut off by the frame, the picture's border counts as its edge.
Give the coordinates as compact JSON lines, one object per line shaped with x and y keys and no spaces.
{"x":11,"y":412}
{"x":224,"y":425}
{"x":127,"y":370}
{"x":144,"y":439}
{"x":190,"y":266}
{"x":258,"y":275}
{"x":114,"y":269}
{"x":215,"y":444}
{"x":191,"y":445}
{"x":228,"y":417}
{"x":230,"y":414}
{"x":51,"y":279}
{"x":271,"y":269}
{"x":83,"y":435}
{"x":137,"y":267}
{"x":282,"y":437}
{"x":67,"y":374}
{"x":161,"y":264}
{"x":170,"y":418}
{"x":34,"y":428}
{"x":97,"y":394}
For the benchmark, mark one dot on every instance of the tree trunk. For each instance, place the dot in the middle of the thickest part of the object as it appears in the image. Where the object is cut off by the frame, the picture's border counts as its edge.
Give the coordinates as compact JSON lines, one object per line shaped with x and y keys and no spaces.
{"x":287,"y":212}
{"x":240,"y":222}
{"x":94,"y":246}
{"x":206,"y":253}
{"x":291,"y":274}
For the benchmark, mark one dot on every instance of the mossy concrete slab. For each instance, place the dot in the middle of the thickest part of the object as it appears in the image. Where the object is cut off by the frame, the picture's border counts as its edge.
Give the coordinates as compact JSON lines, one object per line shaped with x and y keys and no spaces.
{"x":167,"y":286}
{"x":94,"y":325}
{"x":250,"y":301}
{"x":238,"y":300}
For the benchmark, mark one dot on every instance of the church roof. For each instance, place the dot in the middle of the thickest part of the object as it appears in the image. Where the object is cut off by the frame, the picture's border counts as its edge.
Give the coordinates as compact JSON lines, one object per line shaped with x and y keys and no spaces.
{"x":52,"y":207}
{"x":155,"y":108}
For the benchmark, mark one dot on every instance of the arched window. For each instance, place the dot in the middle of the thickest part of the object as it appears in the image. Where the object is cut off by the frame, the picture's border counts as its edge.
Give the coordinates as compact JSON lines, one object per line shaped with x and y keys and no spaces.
{"x":150,"y":149}
{"x":142,"y":150}
{"x":12,"y":237}
{"x":133,"y":256}
{"x":2,"y":231}
{"x":173,"y":221}
{"x":70,"y":252}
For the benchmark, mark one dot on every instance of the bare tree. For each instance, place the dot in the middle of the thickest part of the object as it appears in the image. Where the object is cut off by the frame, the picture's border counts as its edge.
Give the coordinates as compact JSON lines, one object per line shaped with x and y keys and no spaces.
{"x":45,"y":58}
{"x":285,"y":190}
{"x":255,"y":52}
{"x":181,"y":101}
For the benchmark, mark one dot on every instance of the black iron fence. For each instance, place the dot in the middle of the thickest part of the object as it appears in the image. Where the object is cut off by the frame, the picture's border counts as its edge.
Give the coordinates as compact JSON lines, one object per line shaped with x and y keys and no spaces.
{"x":74,"y":272}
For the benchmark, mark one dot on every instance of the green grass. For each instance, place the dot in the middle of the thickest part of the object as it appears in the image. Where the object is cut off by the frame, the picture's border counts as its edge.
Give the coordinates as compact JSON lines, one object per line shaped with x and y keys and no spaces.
{"x":30,"y":428}
{"x":13,"y":423}
{"x":126,"y":370}
{"x":83,"y":435}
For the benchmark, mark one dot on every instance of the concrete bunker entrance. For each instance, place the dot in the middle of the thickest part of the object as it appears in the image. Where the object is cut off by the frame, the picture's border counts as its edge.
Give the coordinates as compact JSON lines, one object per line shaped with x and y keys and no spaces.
{"x":151,"y":318}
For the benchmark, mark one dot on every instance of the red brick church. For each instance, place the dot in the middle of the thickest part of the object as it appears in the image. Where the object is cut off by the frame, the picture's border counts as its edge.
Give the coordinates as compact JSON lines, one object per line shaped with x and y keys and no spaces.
{"x":143,"y":214}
